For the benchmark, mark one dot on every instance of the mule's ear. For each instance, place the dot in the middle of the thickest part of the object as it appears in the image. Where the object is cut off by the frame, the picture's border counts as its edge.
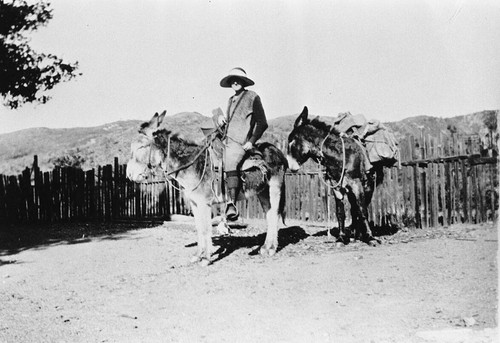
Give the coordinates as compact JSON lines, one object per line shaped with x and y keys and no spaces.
{"x":154,"y":121}
{"x":302,"y":119}
{"x":148,"y":127}
{"x":157,"y":119}
{"x":160,"y":117}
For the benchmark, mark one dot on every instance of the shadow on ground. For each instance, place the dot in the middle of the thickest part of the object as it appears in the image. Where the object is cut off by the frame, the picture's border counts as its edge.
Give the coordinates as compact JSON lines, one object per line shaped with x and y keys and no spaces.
{"x":229,"y":244}
{"x":16,"y":238}
{"x":377,"y":231}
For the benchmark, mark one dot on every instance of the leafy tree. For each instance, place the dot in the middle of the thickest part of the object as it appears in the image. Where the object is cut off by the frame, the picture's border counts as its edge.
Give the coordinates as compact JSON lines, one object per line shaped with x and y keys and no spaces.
{"x":72,"y":158}
{"x":490,"y":120}
{"x":452,"y":128}
{"x":26,"y":75}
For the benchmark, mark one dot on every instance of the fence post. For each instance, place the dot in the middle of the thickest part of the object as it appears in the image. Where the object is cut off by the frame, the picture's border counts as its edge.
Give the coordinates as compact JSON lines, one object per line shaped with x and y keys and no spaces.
{"x":446,"y":195}
{"x":465,"y":192}
{"x":28,"y":196}
{"x":115,"y":195}
{"x":3,"y":196}
{"x":91,"y":189}
{"x":46,"y":198}
{"x":107,"y":189}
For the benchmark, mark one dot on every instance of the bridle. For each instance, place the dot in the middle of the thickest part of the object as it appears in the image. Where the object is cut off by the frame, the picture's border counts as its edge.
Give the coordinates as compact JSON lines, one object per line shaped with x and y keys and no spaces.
{"x":168,"y":175}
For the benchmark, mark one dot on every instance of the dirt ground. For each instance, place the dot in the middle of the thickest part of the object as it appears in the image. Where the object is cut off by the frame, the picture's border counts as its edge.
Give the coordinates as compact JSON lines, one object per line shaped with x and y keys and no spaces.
{"x":133,"y":283}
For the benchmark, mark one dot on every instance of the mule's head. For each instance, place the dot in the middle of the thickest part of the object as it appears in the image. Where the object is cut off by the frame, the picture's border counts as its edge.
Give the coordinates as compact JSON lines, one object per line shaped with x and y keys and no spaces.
{"x":147,"y":156}
{"x":301,"y":142}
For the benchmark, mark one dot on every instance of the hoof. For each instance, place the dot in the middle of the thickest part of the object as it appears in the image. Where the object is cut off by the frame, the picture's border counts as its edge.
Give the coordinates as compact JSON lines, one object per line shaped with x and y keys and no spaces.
{"x":195,"y":259}
{"x":267,"y":252}
{"x":344,"y":240}
{"x":373,"y":242}
{"x":204,"y":262}
{"x":223,"y":228}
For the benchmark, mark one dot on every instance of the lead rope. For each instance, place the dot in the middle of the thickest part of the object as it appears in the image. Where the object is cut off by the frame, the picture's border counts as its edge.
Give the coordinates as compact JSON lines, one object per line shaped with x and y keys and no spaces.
{"x":333,"y":184}
{"x":321,"y":177}
{"x":169,"y":177}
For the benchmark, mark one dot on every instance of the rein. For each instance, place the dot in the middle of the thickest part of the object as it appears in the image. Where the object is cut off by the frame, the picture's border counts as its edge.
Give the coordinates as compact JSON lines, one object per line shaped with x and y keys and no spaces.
{"x":189,"y":164}
{"x":332,"y":184}
{"x":168,"y":174}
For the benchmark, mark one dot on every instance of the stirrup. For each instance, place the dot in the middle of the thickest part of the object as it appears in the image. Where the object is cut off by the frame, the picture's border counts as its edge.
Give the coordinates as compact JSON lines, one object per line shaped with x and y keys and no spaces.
{"x":338,"y":194}
{"x":232,"y":213}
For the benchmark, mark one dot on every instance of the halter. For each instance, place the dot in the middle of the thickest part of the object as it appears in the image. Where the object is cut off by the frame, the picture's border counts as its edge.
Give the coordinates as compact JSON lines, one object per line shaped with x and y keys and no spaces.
{"x":149,"y":166}
{"x":332,"y":184}
{"x":169,"y":174}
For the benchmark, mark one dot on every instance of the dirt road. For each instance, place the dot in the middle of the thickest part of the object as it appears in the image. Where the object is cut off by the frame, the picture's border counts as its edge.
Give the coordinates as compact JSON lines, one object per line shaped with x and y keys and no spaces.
{"x":436,"y":285}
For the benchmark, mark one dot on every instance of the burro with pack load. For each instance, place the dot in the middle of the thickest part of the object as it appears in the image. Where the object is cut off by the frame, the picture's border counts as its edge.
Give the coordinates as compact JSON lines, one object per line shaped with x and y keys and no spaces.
{"x":351,"y":154}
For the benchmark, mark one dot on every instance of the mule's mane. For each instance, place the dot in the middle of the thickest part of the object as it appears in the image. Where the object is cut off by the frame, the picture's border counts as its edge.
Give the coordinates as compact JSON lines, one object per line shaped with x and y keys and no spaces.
{"x":321,"y":125}
{"x":182,"y":150}
{"x":161,"y":136}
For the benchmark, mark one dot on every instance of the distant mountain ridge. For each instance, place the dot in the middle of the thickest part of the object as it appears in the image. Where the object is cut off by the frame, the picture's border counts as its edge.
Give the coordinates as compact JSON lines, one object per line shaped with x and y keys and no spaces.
{"x":99,"y":145}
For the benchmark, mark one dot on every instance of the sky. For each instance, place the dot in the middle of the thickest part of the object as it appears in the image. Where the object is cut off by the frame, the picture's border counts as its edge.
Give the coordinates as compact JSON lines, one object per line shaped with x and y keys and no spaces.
{"x":387,"y":60}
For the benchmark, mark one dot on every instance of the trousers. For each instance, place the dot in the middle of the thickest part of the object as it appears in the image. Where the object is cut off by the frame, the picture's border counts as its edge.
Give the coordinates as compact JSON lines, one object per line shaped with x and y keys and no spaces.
{"x":234,"y":155}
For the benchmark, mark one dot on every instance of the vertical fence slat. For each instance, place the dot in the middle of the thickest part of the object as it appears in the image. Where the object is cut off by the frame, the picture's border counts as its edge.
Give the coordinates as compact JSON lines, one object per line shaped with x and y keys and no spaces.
{"x":427,"y":192}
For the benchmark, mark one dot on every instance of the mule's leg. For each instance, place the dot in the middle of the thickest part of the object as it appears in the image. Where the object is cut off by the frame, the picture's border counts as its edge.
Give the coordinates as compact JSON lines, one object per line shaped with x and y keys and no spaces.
{"x":200,"y":242}
{"x":355,"y":215}
{"x":344,"y":234}
{"x":206,"y":211}
{"x":359,"y":210}
{"x":368,"y":235}
{"x":201,"y":210}
{"x":270,"y":200}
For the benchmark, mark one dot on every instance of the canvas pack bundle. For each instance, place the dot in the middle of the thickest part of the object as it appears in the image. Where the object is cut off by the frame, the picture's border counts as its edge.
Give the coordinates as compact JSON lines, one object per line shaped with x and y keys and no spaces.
{"x":380,"y":143}
{"x":382,"y":146}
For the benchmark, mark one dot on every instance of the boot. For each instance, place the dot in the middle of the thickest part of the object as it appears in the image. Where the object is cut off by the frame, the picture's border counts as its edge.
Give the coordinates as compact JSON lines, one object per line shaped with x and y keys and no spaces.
{"x":232,"y":213}
{"x":368,"y":167}
{"x":232,"y":184}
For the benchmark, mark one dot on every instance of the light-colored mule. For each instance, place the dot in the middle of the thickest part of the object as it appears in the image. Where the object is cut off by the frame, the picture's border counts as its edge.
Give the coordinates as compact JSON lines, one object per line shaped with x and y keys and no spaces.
{"x":158,"y":150}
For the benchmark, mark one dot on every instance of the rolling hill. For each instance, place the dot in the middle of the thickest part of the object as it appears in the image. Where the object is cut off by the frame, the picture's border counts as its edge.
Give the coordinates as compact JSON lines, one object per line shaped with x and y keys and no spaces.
{"x":99,"y":145}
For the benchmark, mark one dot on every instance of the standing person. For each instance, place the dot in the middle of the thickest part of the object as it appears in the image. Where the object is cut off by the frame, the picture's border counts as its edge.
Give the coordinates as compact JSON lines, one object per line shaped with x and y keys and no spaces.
{"x":244,"y":122}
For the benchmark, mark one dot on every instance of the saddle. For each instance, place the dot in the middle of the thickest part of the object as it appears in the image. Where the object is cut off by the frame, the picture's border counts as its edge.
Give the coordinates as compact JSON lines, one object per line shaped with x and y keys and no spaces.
{"x":377,"y":141}
{"x":253,"y":169}
{"x":254,"y":172}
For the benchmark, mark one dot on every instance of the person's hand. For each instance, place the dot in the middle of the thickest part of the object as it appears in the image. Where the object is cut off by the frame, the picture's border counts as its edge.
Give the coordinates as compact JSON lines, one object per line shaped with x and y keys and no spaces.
{"x":247,"y":146}
{"x":221,"y":120}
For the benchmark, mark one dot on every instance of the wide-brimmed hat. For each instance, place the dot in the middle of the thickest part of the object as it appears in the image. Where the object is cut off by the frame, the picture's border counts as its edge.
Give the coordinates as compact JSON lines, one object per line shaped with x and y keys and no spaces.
{"x":239,"y":74}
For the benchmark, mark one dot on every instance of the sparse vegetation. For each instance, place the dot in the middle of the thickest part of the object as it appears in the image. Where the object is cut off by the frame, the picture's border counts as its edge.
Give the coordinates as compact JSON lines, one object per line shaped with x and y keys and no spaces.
{"x":99,"y":145}
{"x":73,"y":158}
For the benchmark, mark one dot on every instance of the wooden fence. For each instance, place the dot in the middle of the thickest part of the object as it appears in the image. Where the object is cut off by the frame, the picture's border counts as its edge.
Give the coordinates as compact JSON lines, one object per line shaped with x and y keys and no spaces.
{"x":448,"y":179}
{"x":71,"y":194}
{"x":440,"y":182}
